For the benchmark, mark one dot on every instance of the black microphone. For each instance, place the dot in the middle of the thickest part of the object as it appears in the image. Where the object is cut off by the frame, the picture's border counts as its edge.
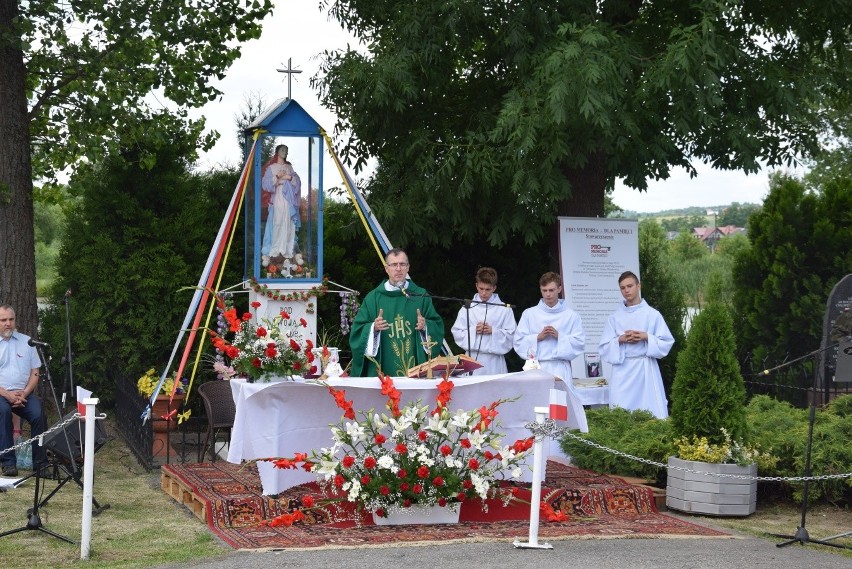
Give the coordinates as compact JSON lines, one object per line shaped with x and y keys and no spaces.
{"x":39,"y":344}
{"x":402,"y":288}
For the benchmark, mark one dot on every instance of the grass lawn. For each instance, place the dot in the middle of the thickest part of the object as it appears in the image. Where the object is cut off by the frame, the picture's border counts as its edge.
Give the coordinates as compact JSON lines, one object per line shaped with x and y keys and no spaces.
{"x":141,"y":528}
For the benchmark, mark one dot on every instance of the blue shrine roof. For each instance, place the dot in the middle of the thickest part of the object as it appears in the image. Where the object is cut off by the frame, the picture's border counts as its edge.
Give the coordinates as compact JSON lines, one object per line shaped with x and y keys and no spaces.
{"x":286,"y":117}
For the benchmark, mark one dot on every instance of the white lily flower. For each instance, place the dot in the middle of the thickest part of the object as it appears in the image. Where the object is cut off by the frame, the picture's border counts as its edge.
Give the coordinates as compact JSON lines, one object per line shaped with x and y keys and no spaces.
{"x":461,"y":419}
{"x":437,"y":425}
{"x":380,"y":421}
{"x":399,"y":426}
{"x":328,"y":468}
{"x":476,"y":439}
{"x":356,"y":431}
{"x":516,"y":472}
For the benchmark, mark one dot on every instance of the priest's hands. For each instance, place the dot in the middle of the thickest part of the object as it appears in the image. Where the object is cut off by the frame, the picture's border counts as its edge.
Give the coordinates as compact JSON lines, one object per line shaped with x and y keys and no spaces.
{"x":548,"y":332}
{"x":380,"y":324}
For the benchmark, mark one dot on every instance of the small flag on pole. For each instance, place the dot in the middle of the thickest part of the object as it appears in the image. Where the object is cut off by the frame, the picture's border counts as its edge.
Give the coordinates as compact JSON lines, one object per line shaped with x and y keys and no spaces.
{"x":558,"y":405}
{"x":82,"y":394}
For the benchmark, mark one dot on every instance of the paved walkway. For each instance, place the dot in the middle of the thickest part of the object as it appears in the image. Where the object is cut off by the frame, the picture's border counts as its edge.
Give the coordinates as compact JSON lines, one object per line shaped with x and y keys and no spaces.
{"x":675,"y":553}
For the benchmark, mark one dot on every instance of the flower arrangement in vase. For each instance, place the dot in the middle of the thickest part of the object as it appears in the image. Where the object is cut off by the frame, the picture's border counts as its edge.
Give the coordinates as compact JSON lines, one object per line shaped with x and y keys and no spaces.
{"x":147,"y":383}
{"x":411,"y":456}
{"x":260,"y":349}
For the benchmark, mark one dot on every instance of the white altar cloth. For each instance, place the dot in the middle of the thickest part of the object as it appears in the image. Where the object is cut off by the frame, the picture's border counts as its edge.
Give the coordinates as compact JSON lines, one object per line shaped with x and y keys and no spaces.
{"x":281,"y":418}
{"x":590,"y":394}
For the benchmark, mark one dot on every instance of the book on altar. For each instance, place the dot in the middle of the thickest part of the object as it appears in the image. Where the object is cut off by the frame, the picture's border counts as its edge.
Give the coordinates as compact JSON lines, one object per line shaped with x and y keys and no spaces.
{"x":457,"y":365}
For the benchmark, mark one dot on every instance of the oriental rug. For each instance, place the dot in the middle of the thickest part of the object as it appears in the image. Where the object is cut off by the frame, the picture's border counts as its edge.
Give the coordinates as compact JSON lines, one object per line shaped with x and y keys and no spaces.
{"x":229,"y":499}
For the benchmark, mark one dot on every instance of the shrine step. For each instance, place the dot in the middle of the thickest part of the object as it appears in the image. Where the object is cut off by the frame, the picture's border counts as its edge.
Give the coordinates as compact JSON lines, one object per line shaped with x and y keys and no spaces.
{"x":658,"y":493}
{"x":182,"y":494}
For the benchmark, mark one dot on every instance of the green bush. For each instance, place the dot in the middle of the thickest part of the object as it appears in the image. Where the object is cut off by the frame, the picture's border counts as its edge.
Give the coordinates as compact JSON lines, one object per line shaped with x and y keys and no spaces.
{"x":132,"y":241}
{"x":637,"y":433}
{"x":775,"y":426}
{"x":708,"y":393}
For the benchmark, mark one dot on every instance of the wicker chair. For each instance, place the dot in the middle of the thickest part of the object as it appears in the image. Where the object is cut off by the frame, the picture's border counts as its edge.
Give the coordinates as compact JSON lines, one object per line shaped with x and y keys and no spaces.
{"x":220,"y":409}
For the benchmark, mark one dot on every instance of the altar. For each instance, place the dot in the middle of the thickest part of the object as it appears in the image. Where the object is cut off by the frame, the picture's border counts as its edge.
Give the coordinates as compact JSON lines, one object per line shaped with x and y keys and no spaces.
{"x":279,"y":419}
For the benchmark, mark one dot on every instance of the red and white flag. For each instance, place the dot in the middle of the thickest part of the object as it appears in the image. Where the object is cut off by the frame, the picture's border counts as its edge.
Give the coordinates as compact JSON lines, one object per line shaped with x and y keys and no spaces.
{"x":558,"y":405}
{"x":81,"y":395}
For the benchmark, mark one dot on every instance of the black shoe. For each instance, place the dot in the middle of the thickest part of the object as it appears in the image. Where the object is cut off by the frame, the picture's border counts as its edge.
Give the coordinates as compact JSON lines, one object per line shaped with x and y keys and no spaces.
{"x":10,"y":470}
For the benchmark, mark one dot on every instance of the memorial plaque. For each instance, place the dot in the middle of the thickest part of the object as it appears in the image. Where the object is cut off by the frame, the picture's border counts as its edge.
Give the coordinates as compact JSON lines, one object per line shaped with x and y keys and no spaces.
{"x":837,"y":330}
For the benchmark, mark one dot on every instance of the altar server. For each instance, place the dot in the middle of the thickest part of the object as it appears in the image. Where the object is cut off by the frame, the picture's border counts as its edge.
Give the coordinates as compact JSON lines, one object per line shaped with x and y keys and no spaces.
{"x":634,"y":338}
{"x":485,"y":327}
{"x":550,"y":331}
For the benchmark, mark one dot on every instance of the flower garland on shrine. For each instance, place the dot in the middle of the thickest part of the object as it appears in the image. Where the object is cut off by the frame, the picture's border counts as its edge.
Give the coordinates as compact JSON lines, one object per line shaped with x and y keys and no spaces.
{"x":304,"y":295}
{"x":348,"y":304}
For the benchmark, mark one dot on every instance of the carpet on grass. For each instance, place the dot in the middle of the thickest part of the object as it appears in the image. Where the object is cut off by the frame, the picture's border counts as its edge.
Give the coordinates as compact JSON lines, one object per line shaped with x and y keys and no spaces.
{"x":598,"y":506}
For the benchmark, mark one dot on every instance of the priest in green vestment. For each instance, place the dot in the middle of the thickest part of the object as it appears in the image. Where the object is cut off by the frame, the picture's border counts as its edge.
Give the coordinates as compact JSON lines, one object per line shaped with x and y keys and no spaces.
{"x":397,"y":325}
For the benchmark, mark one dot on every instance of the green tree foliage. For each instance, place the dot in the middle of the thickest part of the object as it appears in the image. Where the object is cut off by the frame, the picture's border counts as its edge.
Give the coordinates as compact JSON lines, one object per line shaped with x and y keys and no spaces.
{"x":79,"y":76}
{"x":684,"y":224}
{"x":730,"y":246}
{"x":687,"y":247}
{"x":709,"y":392}
{"x":134,"y":239}
{"x":801,"y":245}
{"x":736,"y":214}
{"x":661,"y":289}
{"x":489,"y":118}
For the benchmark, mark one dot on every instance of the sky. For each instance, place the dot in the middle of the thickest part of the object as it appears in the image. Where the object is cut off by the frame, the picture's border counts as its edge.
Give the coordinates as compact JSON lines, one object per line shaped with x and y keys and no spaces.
{"x":298,"y":31}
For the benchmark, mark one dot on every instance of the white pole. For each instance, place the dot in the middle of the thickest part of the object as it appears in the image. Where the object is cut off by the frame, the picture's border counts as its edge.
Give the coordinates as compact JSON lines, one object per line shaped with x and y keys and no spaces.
{"x":538,"y":475}
{"x":88,"y":475}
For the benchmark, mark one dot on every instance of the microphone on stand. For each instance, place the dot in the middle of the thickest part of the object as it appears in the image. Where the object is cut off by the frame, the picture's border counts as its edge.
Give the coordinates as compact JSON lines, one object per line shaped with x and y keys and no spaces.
{"x":35,"y":343}
{"x":403,"y":289}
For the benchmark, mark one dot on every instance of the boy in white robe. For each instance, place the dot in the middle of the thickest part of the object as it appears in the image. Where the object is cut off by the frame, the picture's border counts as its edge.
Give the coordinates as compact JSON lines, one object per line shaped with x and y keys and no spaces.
{"x":634,"y":338}
{"x":486,"y":330}
{"x":553,"y":334}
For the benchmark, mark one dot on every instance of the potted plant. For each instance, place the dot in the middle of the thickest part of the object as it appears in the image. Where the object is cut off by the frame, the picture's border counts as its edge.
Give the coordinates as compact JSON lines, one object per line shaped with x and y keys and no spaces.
{"x":165,"y":402}
{"x":412,"y":464}
{"x":708,"y":422}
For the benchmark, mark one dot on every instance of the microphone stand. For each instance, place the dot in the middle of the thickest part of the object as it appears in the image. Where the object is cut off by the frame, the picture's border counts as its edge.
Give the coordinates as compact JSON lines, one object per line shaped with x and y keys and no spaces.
{"x":68,"y":386}
{"x":801,"y":535}
{"x":467,"y":303}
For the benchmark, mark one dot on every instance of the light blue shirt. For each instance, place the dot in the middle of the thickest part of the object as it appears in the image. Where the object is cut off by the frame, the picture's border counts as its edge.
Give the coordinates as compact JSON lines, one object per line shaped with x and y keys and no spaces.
{"x":17,"y":360}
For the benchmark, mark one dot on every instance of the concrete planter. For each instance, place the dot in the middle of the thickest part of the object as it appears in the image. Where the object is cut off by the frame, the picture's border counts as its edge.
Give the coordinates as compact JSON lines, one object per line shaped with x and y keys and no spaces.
{"x":696,"y":493}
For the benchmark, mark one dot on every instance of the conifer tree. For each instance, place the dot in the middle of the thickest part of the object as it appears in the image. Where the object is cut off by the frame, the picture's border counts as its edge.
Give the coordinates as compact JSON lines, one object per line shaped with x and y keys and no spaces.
{"x":709,"y":392}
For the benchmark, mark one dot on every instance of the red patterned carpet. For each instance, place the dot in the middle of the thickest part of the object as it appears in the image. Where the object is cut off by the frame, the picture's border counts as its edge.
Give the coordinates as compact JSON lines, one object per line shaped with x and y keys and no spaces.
{"x":598,"y":506}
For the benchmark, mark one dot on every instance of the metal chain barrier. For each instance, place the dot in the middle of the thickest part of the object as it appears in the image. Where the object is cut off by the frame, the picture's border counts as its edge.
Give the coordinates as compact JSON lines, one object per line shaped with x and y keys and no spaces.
{"x":39,"y":439}
{"x":550,"y":429}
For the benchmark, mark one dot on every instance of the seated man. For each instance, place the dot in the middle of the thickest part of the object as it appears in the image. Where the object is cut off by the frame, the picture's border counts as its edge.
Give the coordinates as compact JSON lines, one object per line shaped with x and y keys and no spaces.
{"x":19,"y":367}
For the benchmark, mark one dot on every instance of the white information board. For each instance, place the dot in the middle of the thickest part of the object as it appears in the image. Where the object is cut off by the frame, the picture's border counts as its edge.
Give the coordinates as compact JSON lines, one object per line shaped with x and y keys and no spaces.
{"x":593,"y":252}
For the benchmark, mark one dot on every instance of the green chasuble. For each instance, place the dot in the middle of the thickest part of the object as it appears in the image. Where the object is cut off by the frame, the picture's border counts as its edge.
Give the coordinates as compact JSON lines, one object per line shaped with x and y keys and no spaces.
{"x":400,"y":346}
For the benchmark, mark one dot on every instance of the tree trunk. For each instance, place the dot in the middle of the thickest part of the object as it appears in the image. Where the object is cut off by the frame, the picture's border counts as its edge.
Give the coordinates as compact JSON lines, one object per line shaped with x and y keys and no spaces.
{"x":17,"y":236}
{"x":588,"y":188}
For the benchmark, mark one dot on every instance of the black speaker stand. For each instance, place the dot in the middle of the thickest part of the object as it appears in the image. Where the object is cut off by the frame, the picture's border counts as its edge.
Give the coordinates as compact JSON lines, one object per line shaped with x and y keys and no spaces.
{"x":33,"y":517}
{"x":66,"y":475}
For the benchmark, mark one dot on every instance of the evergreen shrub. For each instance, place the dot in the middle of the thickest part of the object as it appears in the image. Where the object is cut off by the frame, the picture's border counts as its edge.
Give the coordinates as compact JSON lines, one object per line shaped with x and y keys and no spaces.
{"x":708,"y":393}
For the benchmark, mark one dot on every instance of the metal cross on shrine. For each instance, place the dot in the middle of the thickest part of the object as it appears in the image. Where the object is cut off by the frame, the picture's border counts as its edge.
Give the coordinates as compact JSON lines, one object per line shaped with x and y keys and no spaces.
{"x":289,"y":71}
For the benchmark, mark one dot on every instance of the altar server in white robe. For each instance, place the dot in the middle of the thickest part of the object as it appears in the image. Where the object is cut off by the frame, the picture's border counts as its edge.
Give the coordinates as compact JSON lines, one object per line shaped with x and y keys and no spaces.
{"x":488,"y":326}
{"x":634,"y":338}
{"x":553,"y":334}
